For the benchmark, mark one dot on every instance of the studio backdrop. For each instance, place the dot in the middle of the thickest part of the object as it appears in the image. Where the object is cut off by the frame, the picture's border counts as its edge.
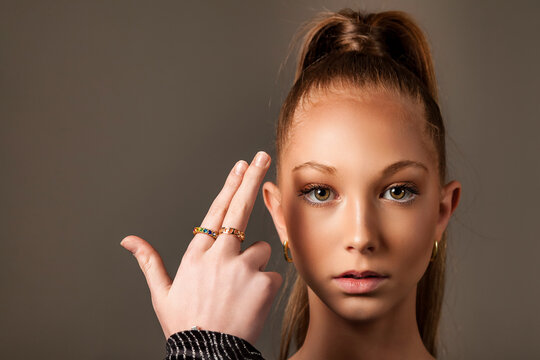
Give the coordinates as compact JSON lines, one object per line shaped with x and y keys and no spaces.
{"x":124,"y":117}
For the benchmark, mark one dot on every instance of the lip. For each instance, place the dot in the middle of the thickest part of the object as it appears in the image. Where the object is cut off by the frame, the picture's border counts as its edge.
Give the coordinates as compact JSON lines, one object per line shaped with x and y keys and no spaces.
{"x":360,"y":273}
{"x":359,"y":286}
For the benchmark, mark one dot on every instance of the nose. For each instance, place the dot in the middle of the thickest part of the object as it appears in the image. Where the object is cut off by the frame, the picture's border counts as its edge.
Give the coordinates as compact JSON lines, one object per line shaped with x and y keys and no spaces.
{"x":362,"y":234}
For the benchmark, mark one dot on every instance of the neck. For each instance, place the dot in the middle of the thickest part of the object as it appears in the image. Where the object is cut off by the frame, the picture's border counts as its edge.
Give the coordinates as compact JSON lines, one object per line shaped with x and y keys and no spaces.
{"x":392,"y":336}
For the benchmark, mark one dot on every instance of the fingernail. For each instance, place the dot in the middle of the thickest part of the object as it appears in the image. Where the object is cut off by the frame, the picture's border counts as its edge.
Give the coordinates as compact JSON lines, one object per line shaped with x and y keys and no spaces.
{"x":261,"y":159}
{"x":125,"y":245}
{"x":240,"y":167}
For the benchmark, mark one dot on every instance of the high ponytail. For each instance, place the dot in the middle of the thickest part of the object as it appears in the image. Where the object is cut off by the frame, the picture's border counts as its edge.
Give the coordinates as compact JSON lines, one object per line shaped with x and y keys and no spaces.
{"x":392,"y":34}
{"x":384,"y":51}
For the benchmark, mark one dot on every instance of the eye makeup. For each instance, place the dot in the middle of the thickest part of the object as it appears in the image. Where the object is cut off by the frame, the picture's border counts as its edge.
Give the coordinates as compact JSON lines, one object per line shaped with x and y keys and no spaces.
{"x":310,"y":188}
{"x":409,"y":189}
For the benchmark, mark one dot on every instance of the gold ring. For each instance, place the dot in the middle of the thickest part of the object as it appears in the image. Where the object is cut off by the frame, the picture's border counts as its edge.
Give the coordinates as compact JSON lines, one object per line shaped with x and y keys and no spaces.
{"x":202,"y":230}
{"x":229,"y":230}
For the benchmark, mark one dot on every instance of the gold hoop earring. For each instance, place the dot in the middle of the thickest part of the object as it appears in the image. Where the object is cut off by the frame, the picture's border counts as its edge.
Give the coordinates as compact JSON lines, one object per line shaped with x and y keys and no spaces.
{"x":285,"y":254}
{"x":434,"y":252}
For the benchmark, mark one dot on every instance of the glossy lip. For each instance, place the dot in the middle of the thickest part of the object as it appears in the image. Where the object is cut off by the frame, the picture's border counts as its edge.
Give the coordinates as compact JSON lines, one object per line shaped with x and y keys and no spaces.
{"x":360,"y":274}
{"x":359,"y":286}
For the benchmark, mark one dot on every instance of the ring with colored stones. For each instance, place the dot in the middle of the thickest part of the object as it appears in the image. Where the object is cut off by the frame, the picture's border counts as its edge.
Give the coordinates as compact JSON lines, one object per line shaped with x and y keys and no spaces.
{"x":202,"y":230}
{"x":229,"y":230}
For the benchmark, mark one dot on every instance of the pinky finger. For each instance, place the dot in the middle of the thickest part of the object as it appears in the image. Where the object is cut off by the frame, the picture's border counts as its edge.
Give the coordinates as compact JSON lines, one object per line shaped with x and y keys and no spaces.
{"x":258,"y":254}
{"x":273,"y":281}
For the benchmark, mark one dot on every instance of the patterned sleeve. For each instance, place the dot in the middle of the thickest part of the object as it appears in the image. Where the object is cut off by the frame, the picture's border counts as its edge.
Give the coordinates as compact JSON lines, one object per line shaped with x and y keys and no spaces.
{"x":204,"y":344}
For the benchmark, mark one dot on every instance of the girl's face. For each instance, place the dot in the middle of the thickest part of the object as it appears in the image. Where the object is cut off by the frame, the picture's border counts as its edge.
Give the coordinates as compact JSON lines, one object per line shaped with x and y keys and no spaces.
{"x":359,"y":190}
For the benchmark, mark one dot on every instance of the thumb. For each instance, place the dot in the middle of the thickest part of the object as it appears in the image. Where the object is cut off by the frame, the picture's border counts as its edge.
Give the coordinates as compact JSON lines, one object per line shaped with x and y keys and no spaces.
{"x":150,"y":262}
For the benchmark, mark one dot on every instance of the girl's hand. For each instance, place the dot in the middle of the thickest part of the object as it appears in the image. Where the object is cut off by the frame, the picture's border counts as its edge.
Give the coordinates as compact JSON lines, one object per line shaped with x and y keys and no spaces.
{"x":217,"y":287}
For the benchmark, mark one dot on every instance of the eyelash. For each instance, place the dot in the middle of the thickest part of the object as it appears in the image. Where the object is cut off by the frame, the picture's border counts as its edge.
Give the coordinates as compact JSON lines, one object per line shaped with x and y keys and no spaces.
{"x":308,"y":189}
{"x":408,"y":187}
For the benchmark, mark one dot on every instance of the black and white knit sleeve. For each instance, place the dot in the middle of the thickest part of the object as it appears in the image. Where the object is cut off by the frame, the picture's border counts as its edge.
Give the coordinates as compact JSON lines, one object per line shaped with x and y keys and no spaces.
{"x":206,"y":345}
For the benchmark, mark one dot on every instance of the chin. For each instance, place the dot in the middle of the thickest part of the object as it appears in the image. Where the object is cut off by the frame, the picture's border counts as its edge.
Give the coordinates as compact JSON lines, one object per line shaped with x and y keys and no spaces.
{"x":356,"y":308}
{"x":359,"y":308}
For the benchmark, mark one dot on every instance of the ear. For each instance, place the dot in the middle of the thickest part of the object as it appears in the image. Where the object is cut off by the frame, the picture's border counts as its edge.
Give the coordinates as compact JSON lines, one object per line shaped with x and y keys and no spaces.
{"x":272,"y":200}
{"x":450,"y":195}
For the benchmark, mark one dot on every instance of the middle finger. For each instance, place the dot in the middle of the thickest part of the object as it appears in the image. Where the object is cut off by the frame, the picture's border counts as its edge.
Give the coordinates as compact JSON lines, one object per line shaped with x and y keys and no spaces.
{"x":218,"y":209}
{"x":242,"y":203}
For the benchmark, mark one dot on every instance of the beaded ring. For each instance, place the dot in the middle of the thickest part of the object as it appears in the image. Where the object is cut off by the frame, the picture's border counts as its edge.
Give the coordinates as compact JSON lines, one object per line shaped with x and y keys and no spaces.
{"x":229,"y":230}
{"x":199,"y":229}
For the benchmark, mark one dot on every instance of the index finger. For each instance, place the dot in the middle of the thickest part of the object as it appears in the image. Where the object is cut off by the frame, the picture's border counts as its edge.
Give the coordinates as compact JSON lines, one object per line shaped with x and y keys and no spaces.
{"x":242,"y":203}
{"x":218,"y":209}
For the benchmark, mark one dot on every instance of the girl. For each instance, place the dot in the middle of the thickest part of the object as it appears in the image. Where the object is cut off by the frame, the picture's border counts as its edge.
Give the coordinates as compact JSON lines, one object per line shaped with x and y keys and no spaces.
{"x":361,"y":205}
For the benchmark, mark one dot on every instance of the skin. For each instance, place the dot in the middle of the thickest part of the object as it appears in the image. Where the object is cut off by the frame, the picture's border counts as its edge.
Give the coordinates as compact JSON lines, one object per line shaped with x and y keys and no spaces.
{"x":363,"y":223}
{"x":214,"y":276}
{"x":219,"y":287}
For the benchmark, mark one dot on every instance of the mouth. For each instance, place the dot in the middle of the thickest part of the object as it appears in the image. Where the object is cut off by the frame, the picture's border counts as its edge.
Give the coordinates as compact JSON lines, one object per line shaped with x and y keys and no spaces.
{"x":353,"y":274}
{"x":355,"y":282}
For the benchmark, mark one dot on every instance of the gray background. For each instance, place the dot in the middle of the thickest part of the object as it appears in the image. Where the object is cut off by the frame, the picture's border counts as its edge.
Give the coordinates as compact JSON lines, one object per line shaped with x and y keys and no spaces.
{"x":123,"y":117}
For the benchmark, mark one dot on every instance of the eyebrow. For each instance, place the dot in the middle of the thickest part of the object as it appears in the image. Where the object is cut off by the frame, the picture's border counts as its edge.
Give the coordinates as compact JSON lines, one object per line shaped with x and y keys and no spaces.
{"x":389,"y":170}
{"x":317,"y":166}
{"x":395,"y":167}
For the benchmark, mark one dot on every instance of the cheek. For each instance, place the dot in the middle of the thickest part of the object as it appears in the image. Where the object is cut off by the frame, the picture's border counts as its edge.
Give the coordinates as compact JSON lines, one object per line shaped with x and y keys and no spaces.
{"x":309,"y":233}
{"x":410,"y":236}
{"x":406,"y":233}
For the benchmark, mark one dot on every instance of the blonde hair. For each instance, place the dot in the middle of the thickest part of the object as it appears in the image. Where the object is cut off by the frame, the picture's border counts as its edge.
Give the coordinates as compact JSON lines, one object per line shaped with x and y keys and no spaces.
{"x":377,"y":51}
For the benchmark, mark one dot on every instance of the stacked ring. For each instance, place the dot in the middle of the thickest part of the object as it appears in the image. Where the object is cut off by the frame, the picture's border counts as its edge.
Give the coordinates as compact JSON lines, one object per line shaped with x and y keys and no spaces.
{"x":199,"y":229}
{"x":229,"y":230}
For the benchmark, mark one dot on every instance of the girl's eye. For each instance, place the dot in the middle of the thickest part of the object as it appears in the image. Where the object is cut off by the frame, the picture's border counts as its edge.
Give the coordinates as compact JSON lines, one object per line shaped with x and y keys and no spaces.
{"x":317,"y":195}
{"x":402,"y":193}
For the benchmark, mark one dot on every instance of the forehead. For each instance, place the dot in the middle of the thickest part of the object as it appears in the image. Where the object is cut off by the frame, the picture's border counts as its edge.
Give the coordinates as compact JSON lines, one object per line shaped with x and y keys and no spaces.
{"x":364,"y":133}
